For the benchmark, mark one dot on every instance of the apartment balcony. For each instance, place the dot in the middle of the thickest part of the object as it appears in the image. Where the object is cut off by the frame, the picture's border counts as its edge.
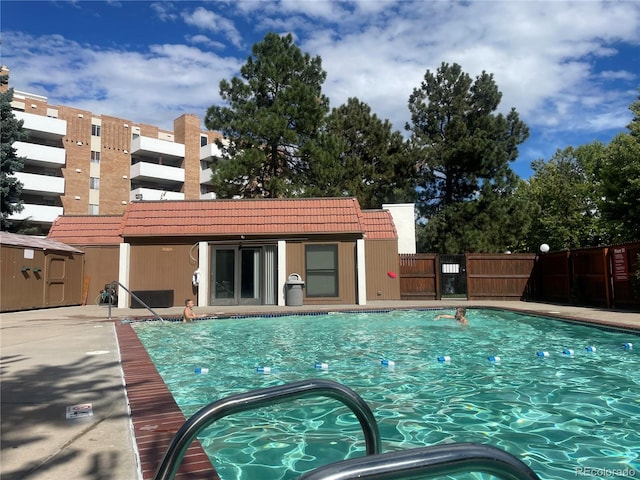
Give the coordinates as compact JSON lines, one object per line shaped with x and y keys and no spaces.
{"x":208,"y":196}
{"x":205,"y":176}
{"x":41,"y":184}
{"x":154,"y":148}
{"x":162,"y":174}
{"x":38,"y":213}
{"x":46,"y":127}
{"x":41,"y":155}
{"x":209,"y":152}
{"x":153,"y":194}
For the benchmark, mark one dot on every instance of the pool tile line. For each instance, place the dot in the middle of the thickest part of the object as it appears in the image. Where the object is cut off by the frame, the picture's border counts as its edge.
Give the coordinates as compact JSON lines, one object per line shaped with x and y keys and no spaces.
{"x":154,"y":413}
{"x":239,"y":316}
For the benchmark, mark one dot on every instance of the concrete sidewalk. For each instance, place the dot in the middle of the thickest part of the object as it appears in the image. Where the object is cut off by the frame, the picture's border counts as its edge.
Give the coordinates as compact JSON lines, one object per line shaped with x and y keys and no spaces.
{"x":64,"y":357}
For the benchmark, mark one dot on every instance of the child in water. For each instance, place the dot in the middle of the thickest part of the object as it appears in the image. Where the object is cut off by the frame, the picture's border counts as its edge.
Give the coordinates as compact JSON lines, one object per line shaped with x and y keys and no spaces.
{"x":459,"y":316}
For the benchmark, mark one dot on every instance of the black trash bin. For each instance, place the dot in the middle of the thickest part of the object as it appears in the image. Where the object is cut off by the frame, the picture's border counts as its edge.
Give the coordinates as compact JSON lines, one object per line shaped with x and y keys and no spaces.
{"x":294,"y":290}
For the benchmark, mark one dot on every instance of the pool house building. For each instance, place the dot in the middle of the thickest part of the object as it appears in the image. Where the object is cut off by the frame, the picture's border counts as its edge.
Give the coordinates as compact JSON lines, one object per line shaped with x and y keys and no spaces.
{"x":240,"y":252}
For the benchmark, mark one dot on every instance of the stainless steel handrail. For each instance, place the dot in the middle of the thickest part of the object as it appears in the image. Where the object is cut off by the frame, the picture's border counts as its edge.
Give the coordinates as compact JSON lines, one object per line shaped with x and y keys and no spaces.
{"x":116,"y":282}
{"x":263,"y":397}
{"x":427,"y":462}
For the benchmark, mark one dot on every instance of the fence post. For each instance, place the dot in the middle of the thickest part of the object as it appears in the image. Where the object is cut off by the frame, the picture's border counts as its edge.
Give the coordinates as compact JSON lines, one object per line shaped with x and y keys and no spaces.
{"x":608,"y":279}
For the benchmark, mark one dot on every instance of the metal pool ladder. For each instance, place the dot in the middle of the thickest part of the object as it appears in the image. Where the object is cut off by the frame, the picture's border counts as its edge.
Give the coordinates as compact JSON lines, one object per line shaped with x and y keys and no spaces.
{"x":426,"y":462}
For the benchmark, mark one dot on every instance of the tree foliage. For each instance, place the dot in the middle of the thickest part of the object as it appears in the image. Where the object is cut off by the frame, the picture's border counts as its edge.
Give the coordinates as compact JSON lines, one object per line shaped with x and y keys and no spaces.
{"x":565,"y":189}
{"x":11,"y":131}
{"x":464,"y":149}
{"x":363,"y":158}
{"x":620,"y":187}
{"x":275,"y":109}
{"x":589,"y":195}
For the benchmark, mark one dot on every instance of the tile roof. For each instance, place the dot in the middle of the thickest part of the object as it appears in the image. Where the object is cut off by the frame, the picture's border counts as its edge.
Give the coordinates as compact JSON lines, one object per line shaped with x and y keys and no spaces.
{"x":273,"y":217}
{"x":35,"y":242}
{"x":87,"y":229}
{"x":243,"y":217}
{"x":379,"y":225}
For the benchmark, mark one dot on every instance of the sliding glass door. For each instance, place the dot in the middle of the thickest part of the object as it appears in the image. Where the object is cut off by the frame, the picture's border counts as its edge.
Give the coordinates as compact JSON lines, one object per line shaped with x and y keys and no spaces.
{"x":237,"y":276}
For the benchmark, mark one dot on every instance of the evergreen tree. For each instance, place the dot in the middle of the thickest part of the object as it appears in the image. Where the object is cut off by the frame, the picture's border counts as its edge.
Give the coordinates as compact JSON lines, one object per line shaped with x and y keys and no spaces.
{"x":464,"y":150}
{"x":11,"y":131}
{"x":363,"y":158}
{"x":275,"y":110}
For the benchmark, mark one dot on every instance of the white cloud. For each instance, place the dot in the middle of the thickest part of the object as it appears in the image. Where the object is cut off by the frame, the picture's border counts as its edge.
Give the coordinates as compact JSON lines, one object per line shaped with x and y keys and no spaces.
{"x":204,"y":41}
{"x":558,"y":63}
{"x":542,"y":54}
{"x":211,"y":21}
{"x":164,"y":11}
{"x":152,"y":87}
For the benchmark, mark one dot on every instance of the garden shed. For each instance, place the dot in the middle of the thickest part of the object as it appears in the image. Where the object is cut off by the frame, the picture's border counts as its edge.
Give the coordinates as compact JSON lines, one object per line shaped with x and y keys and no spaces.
{"x":39,"y":273}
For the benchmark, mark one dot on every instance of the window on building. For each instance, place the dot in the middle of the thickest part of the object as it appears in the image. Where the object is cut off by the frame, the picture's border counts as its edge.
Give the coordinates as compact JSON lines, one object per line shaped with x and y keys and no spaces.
{"x":94,"y":183}
{"x":322,"y":270}
{"x":94,"y":209}
{"x":203,"y":140}
{"x":95,"y":130}
{"x":95,"y":156}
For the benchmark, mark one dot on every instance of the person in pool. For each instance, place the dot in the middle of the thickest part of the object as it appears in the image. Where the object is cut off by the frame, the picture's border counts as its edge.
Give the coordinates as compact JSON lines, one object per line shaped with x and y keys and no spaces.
{"x":188,"y":314}
{"x":460,"y":316}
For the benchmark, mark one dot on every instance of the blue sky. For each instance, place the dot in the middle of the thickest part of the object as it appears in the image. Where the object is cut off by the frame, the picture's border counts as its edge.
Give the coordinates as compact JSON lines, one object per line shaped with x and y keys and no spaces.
{"x":571,"y":69}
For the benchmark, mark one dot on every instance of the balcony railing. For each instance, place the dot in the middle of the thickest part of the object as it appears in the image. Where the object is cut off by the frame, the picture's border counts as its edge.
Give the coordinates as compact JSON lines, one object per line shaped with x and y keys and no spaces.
{"x":40,"y":154}
{"x":41,"y":184}
{"x":153,"y":194}
{"x":38,"y":213}
{"x":47,"y":127}
{"x":154,"y":148}
{"x":209,"y":152}
{"x":162,"y":174}
{"x":205,"y":176}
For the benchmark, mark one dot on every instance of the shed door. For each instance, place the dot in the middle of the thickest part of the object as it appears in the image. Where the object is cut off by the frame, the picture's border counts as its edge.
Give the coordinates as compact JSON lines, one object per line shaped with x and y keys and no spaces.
{"x":55,"y":281}
{"x":453,"y":276}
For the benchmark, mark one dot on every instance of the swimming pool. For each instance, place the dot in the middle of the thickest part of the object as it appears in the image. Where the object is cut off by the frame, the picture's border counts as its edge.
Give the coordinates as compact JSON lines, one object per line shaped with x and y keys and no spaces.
{"x":563,"y":415}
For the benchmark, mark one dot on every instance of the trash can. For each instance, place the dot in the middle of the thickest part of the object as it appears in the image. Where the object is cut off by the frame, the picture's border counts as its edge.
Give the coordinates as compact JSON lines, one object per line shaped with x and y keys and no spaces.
{"x":294,"y":290}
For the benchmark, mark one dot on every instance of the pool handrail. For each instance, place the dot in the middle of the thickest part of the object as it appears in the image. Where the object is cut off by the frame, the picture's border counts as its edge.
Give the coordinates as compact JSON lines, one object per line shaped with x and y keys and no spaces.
{"x":116,"y":282}
{"x":427,"y":462}
{"x":263,"y":397}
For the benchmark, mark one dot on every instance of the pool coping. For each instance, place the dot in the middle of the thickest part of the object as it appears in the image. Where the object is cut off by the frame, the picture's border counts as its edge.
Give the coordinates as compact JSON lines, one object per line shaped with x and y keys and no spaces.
{"x":155,"y":415}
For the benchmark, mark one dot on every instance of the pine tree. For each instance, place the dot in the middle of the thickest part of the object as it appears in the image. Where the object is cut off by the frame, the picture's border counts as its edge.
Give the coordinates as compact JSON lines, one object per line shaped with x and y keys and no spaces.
{"x":464,"y":149}
{"x":11,"y":131}
{"x":364,"y":158}
{"x":274,"y":111}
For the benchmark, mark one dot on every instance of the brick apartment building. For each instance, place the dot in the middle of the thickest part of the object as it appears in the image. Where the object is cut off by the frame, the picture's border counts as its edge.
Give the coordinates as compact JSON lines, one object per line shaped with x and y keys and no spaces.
{"x":82,"y":163}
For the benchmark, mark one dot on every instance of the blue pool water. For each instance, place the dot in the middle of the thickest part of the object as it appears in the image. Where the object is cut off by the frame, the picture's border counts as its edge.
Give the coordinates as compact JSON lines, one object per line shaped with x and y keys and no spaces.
{"x":565,"y":416}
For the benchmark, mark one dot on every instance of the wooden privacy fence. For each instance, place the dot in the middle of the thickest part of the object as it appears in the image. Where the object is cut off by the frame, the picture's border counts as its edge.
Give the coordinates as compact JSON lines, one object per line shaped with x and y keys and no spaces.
{"x":419,"y":277}
{"x":488,"y":276}
{"x":500,"y":276}
{"x":600,"y":276}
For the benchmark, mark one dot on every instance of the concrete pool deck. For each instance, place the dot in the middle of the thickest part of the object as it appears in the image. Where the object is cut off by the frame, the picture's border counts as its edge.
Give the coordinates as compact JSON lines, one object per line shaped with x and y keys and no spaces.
{"x":60,"y":358}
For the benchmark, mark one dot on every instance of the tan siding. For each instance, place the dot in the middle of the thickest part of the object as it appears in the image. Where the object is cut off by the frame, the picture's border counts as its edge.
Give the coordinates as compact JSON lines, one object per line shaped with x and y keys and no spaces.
{"x":20,"y":290}
{"x":381,"y":257}
{"x":101,"y":267}
{"x":346,"y":271}
{"x":52,"y":280}
{"x":162,"y":267}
